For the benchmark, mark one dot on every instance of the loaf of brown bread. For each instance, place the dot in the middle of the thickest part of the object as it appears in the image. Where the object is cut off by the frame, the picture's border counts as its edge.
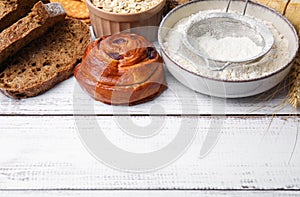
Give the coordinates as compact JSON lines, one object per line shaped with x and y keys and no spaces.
{"x":289,"y":8}
{"x":292,"y":12}
{"x":29,"y":28}
{"x":13,"y":10}
{"x":46,"y":61}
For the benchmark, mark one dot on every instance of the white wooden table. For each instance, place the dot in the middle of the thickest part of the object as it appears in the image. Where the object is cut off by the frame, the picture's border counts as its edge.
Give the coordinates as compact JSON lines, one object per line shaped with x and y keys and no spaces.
{"x":257,"y":152}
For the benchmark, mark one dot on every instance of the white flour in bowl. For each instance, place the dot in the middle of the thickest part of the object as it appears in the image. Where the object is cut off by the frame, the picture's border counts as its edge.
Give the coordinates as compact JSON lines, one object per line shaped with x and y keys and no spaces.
{"x":228,"y":48}
{"x":277,"y":57}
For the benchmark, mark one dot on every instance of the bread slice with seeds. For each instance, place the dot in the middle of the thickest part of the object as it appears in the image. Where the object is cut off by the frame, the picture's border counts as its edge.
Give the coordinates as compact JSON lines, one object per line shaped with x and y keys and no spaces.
{"x":13,"y":10}
{"x":46,"y":61}
{"x":29,"y":28}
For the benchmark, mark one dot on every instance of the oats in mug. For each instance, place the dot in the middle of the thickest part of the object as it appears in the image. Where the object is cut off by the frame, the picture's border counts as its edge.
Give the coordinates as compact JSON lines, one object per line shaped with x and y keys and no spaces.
{"x":125,"y":6}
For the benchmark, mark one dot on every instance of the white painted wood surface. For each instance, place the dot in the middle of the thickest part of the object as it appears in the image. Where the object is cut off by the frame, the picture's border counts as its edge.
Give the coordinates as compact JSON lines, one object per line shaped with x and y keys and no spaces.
{"x":176,"y":100}
{"x":149,"y":193}
{"x":46,"y":153}
{"x":40,"y":148}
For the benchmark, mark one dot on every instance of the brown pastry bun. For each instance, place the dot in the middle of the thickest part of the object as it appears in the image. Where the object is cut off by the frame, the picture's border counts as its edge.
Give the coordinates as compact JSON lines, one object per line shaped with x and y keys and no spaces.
{"x":122,"y":69}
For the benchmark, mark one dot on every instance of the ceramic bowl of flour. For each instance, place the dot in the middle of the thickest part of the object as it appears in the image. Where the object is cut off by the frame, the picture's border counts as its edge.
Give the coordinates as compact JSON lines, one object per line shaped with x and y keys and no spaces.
{"x":240,"y":80}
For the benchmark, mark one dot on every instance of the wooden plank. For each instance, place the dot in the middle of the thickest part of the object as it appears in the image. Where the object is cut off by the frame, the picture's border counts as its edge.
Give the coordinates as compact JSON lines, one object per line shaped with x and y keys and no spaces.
{"x":250,"y":153}
{"x":68,"y":98}
{"x":150,"y":193}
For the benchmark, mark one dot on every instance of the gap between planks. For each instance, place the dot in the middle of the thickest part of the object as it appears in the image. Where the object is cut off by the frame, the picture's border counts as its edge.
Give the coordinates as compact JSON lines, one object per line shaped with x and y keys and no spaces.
{"x":178,"y":99}
{"x":150,"y":115}
{"x":89,"y":193}
{"x":248,"y":154}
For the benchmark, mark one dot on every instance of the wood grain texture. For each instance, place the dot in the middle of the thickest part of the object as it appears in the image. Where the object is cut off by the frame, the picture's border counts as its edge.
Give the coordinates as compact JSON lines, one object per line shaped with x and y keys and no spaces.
{"x":251,"y":153}
{"x":149,"y":193}
{"x":176,"y":100}
{"x":42,"y":155}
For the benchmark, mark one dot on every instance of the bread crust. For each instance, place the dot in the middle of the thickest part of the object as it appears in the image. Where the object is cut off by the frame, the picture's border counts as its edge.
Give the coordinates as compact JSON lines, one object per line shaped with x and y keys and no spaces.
{"x":40,"y":88}
{"x":289,"y":8}
{"x":34,"y":25}
{"x":293,"y":14}
{"x":46,"y":57}
{"x":13,"y":10}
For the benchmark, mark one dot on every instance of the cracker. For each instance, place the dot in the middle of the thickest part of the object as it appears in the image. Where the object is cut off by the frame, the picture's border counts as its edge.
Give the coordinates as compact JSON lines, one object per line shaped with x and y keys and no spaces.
{"x":74,"y":8}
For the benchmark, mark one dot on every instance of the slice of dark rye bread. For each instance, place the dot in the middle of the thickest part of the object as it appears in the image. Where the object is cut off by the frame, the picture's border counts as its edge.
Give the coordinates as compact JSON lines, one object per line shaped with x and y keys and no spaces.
{"x":13,"y":10}
{"x":46,"y":61}
{"x":35,"y":24}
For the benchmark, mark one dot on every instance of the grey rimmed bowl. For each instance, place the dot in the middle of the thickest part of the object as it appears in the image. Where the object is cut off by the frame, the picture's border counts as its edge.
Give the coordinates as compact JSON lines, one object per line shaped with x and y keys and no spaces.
{"x":228,"y":88}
